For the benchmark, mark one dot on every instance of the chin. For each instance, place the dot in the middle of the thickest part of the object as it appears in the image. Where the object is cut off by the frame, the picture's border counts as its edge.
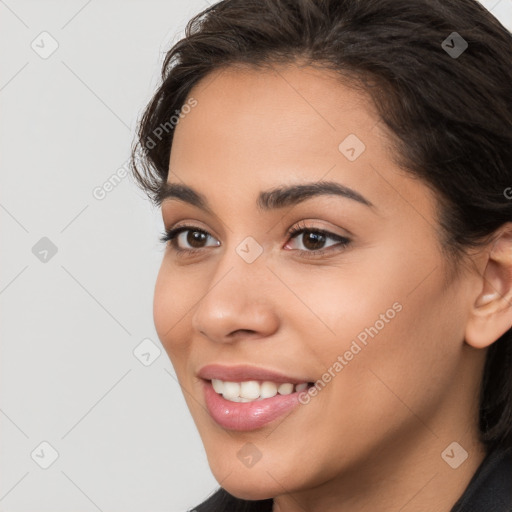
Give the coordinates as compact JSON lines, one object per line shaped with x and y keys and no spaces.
{"x":250,"y":490}
{"x":254,"y":483}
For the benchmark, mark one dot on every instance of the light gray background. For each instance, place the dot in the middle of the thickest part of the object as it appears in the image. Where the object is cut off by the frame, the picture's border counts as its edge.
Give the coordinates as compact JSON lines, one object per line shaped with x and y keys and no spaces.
{"x":69,"y":325}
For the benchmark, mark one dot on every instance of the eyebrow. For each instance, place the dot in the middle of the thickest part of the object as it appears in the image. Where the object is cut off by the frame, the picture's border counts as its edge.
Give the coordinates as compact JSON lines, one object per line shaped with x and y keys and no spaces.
{"x":273,"y":199}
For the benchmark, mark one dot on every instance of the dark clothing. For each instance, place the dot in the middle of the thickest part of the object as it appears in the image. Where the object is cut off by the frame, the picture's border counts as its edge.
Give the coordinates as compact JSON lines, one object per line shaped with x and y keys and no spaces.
{"x":490,"y":489}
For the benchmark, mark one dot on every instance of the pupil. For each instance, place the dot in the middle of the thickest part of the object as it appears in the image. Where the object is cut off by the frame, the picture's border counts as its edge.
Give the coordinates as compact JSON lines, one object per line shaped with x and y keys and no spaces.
{"x":194,"y":238}
{"x":317,"y":240}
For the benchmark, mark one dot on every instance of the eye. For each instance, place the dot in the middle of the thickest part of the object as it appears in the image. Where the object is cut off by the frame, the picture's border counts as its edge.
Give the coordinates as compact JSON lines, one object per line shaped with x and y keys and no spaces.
{"x":312,"y":241}
{"x":188,"y":239}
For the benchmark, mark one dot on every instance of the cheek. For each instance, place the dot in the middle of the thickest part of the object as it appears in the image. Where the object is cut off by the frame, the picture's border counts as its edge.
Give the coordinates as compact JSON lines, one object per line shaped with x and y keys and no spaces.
{"x":401,"y":349}
{"x":397,"y":331}
{"x":338,"y":303}
{"x":173,"y":298}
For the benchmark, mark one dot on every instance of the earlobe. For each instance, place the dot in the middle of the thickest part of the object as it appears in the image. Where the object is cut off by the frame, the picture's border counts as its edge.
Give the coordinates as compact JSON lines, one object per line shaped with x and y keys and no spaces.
{"x":491,"y":314}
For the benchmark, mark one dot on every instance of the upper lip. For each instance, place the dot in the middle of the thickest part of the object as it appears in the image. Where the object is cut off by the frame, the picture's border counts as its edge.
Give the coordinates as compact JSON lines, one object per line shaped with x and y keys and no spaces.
{"x":243,"y":372}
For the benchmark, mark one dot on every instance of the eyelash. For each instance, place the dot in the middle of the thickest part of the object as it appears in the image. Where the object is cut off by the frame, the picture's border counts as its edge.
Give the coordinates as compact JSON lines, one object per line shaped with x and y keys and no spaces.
{"x":171,"y":234}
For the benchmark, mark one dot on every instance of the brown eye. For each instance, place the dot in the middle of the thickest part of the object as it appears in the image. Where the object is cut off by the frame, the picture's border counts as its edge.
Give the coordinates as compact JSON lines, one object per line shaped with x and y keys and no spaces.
{"x":188,"y":238}
{"x":195,"y":238}
{"x":313,"y":240}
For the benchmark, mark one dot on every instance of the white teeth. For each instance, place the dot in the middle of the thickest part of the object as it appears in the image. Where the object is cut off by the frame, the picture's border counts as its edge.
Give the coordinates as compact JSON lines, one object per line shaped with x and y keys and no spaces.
{"x":231,"y":389}
{"x":268,"y":389}
{"x":285,"y":389}
{"x":234,"y":398}
{"x":250,"y":390}
{"x":218,"y":386}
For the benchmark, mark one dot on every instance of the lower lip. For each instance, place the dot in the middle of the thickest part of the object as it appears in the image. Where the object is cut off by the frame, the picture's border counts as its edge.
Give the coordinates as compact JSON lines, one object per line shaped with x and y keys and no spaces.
{"x":247,"y":415}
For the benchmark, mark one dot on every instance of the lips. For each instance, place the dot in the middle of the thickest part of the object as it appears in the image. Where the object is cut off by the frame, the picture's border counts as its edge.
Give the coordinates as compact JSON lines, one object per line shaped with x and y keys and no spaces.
{"x":246,"y":416}
{"x":241,"y":373}
{"x":243,"y":416}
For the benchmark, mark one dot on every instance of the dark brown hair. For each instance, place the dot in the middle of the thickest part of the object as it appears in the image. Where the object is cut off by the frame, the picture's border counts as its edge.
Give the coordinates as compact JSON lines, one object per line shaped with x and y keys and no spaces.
{"x":449,"y":117}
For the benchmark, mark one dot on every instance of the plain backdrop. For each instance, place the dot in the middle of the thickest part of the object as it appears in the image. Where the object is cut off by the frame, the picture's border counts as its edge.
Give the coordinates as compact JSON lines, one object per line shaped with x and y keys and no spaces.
{"x":91,"y":415}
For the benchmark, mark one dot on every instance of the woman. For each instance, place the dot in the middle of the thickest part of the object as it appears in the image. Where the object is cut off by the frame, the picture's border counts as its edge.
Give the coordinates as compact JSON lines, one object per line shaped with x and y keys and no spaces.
{"x":335,"y":296}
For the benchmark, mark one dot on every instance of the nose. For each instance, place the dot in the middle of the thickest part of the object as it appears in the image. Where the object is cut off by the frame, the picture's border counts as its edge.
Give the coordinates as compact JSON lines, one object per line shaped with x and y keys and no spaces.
{"x":238,"y":303}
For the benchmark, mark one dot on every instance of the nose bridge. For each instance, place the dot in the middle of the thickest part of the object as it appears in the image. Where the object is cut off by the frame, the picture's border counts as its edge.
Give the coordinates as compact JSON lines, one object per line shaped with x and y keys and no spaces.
{"x":237,"y":298}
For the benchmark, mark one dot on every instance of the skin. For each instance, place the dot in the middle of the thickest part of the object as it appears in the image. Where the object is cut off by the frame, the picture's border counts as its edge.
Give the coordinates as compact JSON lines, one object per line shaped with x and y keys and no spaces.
{"x":372,"y":438}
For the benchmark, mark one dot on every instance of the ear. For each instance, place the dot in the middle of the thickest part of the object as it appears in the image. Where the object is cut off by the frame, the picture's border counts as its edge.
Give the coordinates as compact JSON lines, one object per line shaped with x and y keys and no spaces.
{"x":491,"y":313}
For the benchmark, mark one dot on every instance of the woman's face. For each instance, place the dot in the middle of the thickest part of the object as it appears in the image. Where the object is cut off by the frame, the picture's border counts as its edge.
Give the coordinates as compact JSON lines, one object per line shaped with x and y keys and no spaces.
{"x":365,"y":309}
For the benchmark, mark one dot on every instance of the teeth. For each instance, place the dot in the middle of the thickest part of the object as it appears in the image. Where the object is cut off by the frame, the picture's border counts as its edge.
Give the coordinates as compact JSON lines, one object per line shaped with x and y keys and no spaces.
{"x":231,"y":390}
{"x":285,"y":389}
{"x":268,"y":389}
{"x":218,"y":386}
{"x":251,"y":390}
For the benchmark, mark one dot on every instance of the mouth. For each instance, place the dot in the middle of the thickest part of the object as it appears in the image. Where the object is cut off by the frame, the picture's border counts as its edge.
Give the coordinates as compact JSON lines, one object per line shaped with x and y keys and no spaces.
{"x":250,"y":405}
{"x":246,"y":397}
{"x":253,"y":390}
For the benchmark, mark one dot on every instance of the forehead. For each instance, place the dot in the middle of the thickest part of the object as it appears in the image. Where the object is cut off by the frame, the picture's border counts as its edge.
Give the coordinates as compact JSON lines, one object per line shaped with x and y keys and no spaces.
{"x":259,"y":128}
{"x":265,"y":108}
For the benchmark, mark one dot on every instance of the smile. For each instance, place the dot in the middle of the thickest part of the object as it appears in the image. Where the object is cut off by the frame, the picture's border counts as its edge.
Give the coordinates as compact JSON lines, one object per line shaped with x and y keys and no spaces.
{"x":252,"y":390}
{"x":249,"y":415}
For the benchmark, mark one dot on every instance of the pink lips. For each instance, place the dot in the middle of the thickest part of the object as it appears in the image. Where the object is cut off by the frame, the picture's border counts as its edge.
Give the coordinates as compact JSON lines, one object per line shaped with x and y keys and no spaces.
{"x":246,"y":415}
{"x":244,"y":372}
